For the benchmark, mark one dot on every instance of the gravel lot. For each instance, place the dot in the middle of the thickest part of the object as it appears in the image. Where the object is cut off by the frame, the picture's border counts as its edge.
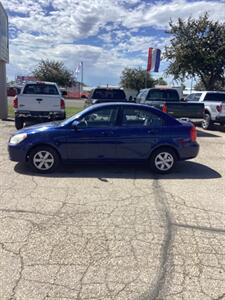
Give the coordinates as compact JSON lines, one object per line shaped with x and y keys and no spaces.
{"x":114,"y":232}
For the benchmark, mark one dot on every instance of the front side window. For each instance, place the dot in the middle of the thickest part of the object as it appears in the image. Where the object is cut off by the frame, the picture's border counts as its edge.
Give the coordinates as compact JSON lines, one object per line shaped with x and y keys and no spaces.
{"x":134,"y":117}
{"x":105,"y":117}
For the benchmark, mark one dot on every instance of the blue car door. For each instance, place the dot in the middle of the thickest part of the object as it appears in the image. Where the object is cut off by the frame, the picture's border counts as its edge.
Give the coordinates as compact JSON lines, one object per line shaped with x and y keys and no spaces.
{"x":139,"y":131}
{"x":93,"y":139}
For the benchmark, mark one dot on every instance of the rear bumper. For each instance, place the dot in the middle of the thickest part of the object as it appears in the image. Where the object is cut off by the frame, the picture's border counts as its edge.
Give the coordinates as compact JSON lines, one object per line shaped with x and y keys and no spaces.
{"x":41,"y":115}
{"x":188,"y":152}
{"x":220,"y":119}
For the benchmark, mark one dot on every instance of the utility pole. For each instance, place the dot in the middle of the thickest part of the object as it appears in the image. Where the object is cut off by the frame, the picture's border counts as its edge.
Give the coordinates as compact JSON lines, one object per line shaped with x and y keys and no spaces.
{"x":4,"y":58}
{"x":82,"y":75}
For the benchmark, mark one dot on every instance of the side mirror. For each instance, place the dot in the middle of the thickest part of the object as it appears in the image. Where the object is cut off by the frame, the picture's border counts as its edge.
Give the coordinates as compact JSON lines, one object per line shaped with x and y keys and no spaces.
{"x":64,"y":93}
{"x":75,"y":124}
{"x":83,"y":97}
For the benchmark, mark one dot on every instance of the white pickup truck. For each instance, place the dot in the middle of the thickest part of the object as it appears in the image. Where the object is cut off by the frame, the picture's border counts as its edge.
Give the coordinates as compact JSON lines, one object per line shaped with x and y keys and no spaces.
{"x":214,"y":102}
{"x":38,"y":102}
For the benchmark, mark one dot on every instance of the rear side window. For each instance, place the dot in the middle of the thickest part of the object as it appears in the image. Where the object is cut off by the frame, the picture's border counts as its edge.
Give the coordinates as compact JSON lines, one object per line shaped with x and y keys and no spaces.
{"x":43,"y":89}
{"x":163,"y":95}
{"x":215,"y":97}
{"x":108,"y":94}
{"x":135,"y":117}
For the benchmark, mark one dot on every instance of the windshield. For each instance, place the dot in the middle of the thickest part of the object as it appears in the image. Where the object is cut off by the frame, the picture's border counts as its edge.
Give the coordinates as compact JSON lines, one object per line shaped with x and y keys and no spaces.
{"x":163,"y":95}
{"x":109,"y":94}
{"x":40,"y":89}
{"x":75,"y":117}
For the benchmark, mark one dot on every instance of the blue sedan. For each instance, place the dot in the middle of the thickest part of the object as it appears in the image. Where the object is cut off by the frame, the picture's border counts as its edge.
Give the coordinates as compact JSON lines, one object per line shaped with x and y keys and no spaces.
{"x":124,"y":132}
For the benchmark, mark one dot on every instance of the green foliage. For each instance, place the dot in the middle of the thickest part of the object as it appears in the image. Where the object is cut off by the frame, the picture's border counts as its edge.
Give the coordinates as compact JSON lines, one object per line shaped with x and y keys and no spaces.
{"x":160,"y":81}
{"x":219,"y":86}
{"x":135,"y":79}
{"x":53,"y":71}
{"x":197,"y":50}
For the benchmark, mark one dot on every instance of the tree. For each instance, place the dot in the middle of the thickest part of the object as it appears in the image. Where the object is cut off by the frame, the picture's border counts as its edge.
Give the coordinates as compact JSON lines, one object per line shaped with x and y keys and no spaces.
{"x":53,"y":71}
{"x":160,"y":81}
{"x":219,"y":86}
{"x":135,"y":79}
{"x":197,"y":50}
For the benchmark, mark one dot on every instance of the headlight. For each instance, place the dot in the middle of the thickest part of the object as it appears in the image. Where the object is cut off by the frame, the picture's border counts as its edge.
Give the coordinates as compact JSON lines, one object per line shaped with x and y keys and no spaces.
{"x":18,"y":138}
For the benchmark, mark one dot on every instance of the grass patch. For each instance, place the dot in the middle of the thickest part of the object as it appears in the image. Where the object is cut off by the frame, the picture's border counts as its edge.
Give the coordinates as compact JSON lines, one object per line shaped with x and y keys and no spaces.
{"x":70,"y":111}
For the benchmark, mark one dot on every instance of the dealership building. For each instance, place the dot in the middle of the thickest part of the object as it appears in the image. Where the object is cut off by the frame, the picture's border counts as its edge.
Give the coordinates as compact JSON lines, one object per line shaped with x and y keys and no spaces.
{"x":4,"y":59}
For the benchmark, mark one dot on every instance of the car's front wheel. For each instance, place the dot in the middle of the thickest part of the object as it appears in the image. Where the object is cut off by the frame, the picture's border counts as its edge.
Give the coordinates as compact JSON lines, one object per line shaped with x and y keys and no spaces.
{"x":163,"y":160}
{"x":44,"y":159}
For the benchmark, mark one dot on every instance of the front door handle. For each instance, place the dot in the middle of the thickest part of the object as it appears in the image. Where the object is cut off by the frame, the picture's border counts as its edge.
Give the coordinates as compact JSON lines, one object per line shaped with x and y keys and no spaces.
{"x":38,"y":99}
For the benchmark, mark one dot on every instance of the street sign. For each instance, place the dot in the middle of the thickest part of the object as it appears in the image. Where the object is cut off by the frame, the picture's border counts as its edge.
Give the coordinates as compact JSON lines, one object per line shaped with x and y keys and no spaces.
{"x":4,"y":38}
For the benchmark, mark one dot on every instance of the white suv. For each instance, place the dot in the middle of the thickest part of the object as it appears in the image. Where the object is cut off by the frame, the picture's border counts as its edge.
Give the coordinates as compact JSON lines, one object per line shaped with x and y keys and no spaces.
{"x":214,"y":102}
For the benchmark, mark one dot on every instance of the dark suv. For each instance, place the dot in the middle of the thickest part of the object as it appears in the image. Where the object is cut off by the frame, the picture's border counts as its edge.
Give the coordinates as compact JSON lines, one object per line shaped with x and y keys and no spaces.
{"x":100,"y":95}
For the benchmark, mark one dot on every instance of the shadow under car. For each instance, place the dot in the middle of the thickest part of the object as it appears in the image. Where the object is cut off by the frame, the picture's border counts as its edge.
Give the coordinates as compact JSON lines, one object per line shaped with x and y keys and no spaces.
{"x":182,"y":170}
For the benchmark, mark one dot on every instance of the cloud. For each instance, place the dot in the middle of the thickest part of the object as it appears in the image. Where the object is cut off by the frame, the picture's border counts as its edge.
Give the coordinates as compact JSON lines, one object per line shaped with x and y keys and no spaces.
{"x":158,"y":15}
{"x":107,"y":35}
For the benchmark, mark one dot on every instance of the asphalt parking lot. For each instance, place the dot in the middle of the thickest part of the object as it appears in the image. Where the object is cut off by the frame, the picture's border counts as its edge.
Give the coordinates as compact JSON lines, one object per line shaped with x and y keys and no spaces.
{"x":114,"y":232}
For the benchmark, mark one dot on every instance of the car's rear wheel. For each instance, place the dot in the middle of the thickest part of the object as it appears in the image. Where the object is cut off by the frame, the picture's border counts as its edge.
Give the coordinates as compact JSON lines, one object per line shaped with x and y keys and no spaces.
{"x":18,"y":123}
{"x":44,"y":159}
{"x":207,"y":123}
{"x":163,"y":160}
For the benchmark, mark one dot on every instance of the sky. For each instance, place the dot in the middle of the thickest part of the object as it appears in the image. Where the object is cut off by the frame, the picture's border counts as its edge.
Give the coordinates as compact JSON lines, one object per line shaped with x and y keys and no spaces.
{"x":107,"y":35}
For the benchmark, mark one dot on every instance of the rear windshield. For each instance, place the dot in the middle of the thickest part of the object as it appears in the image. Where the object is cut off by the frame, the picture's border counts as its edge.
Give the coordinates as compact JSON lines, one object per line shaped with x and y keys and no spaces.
{"x":43,"y":89}
{"x":215,"y":97}
{"x":109,"y":94}
{"x":163,"y":95}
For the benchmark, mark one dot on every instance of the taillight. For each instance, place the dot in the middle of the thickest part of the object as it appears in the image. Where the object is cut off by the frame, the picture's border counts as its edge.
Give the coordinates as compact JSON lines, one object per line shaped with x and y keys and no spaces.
{"x":164,"y":108}
{"x":193,"y":134}
{"x":15,"y":102}
{"x":62,"y":104}
{"x":219,"y":108}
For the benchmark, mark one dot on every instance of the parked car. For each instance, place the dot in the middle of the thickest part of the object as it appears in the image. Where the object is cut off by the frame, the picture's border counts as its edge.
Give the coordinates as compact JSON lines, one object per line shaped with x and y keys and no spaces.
{"x":100,"y":95}
{"x":39,"y":102}
{"x":214,"y":102}
{"x":107,"y":132}
{"x":11,"y":91}
{"x":168,"y":100}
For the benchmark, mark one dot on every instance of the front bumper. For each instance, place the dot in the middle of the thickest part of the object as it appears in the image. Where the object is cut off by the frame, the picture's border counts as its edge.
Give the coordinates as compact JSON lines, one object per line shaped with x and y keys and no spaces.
{"x":17,"y":153}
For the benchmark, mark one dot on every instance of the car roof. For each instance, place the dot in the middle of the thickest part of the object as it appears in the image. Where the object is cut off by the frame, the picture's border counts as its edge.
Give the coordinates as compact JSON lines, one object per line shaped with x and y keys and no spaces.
{"x":40,"y":82}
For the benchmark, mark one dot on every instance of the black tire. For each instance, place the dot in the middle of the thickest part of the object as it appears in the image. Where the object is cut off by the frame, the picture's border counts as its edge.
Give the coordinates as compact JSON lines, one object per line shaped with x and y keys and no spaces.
{"x":163,"y":160}
{"x":207,"y":123}
{"x":18,"y":123}
{"x":44,"y":159}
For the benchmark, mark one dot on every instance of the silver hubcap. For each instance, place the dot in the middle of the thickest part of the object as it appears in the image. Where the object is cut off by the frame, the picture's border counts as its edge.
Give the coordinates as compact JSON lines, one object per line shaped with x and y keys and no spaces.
{"x":205,"y":122}
{"x":164,"y":161}
{"x":43,"y":160}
